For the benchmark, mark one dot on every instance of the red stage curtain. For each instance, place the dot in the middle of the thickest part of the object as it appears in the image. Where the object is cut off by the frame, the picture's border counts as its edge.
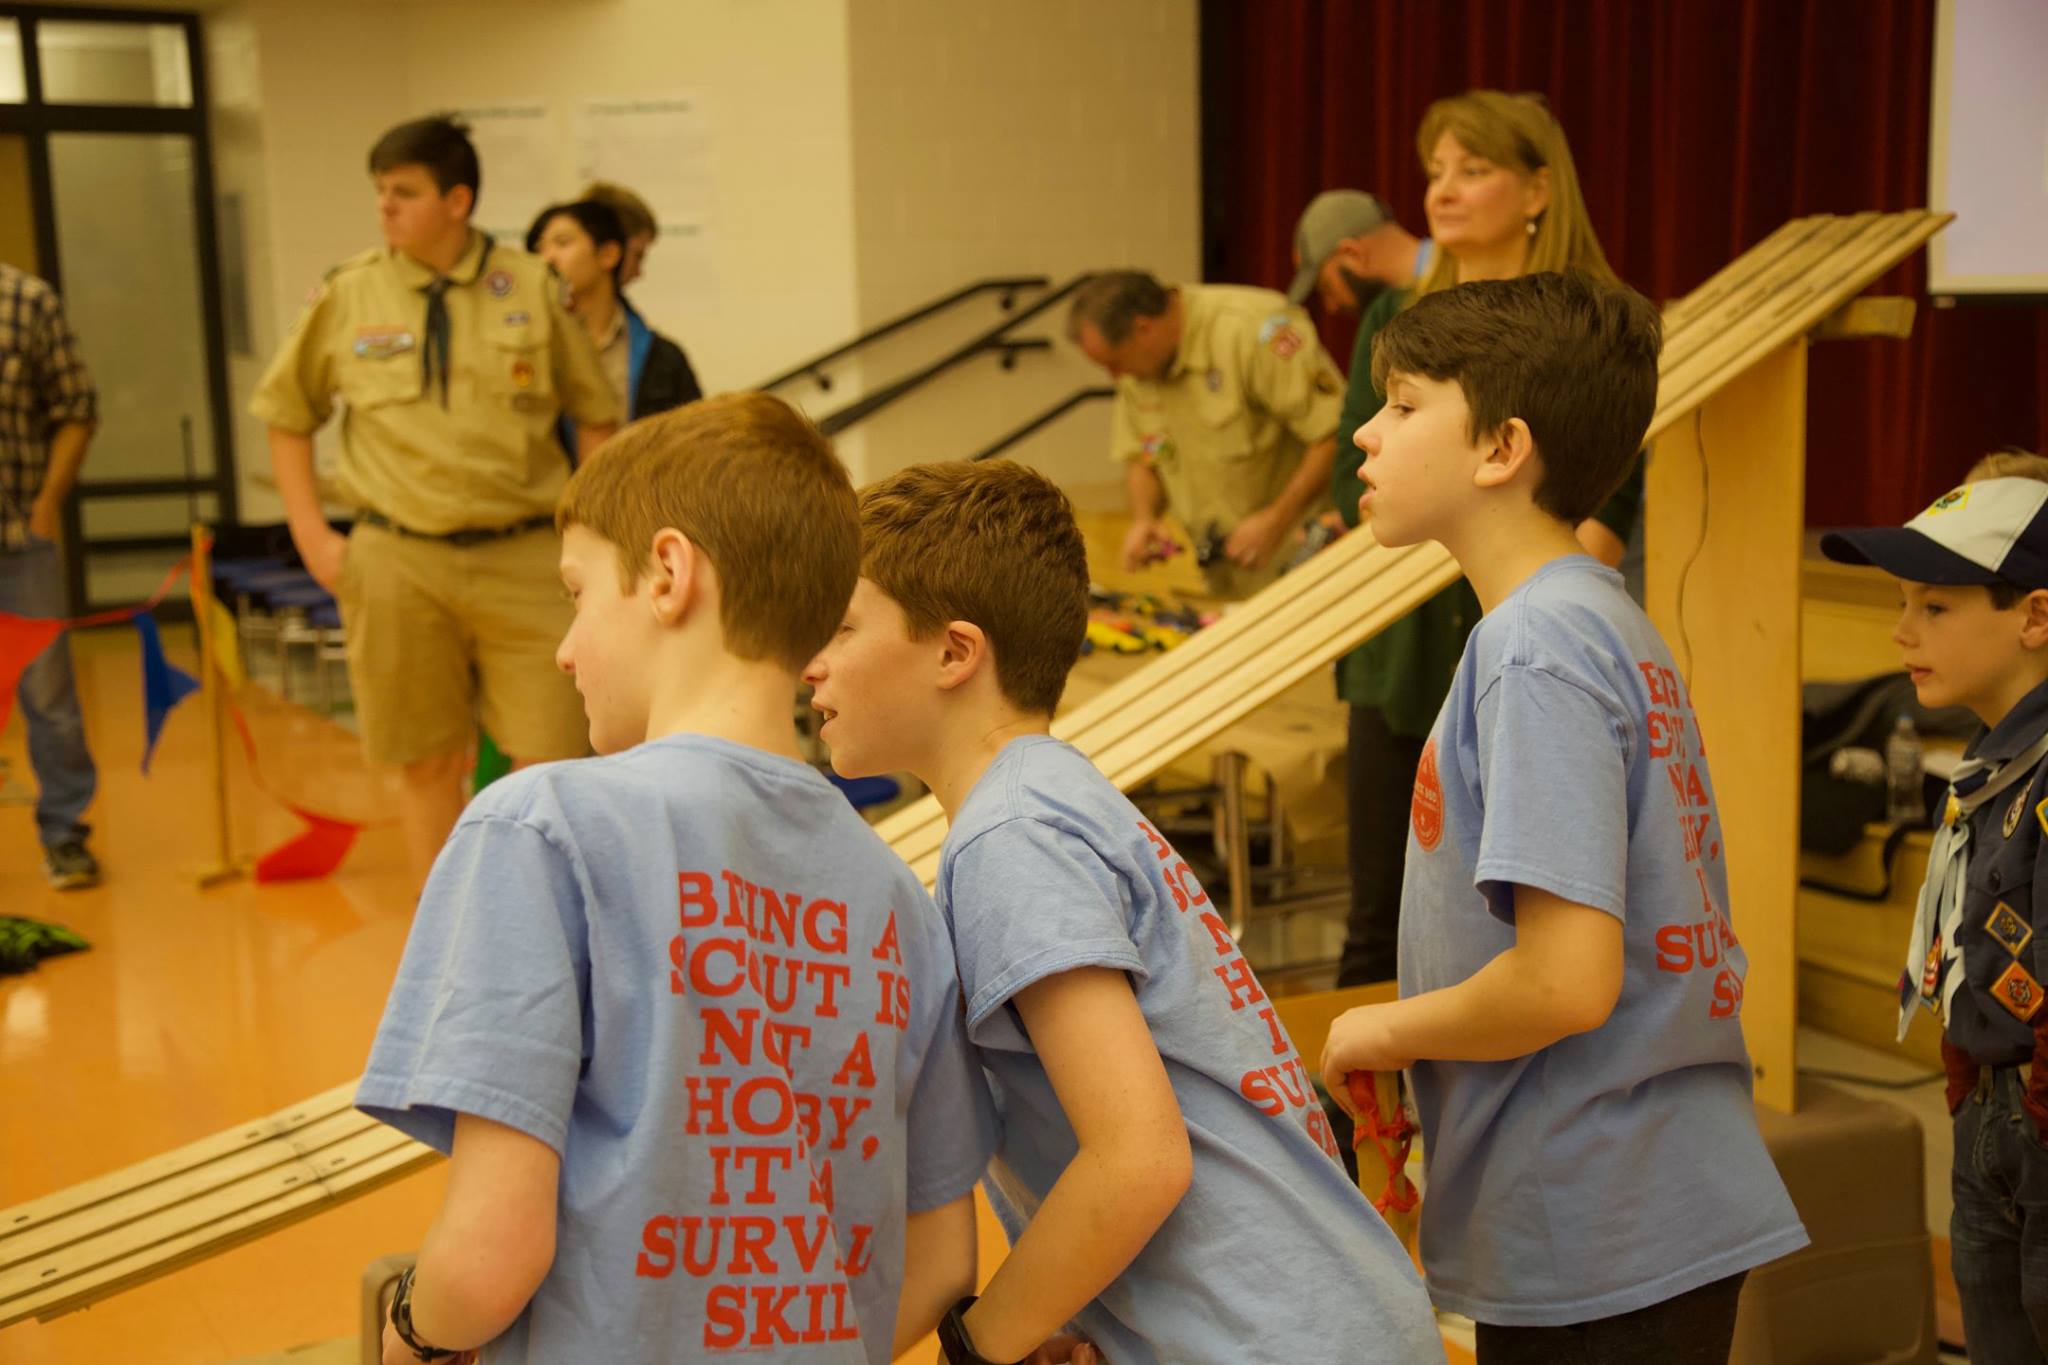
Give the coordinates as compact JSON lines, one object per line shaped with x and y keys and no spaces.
{"x":1698,"y":126}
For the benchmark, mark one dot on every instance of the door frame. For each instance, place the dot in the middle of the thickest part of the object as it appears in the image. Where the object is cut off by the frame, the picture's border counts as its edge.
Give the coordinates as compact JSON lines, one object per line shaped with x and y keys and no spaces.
{"x":36,"y":122}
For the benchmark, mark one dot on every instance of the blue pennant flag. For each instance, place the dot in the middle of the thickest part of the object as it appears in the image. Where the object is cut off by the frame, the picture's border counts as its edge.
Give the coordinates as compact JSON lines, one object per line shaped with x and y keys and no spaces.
{"x":164,"y":684}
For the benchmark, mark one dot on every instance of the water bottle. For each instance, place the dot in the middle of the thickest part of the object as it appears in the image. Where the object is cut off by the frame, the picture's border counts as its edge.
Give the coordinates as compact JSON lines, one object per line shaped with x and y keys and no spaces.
{"x":1907,"y":803}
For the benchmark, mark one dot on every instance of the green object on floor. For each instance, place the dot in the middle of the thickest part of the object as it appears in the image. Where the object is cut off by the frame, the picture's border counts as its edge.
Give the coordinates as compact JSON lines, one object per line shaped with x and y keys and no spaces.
{"x":25,"y":942}
{"x":491,"y":763}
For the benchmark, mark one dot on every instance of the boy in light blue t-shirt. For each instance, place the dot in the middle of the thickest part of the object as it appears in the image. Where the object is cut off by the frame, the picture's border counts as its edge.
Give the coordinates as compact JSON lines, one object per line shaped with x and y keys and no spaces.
{"x":689,"y":1030}
{"x":1169,"y":1183}
{"x":1571,"y":982}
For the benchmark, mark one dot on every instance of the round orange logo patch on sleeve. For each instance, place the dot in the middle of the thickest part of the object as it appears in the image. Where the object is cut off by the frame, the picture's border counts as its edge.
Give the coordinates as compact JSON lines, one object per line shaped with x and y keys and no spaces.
{"x":1427,"y":811}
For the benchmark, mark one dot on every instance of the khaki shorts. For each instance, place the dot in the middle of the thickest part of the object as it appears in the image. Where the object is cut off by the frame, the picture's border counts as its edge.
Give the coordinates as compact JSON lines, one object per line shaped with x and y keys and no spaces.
{"x":442,"y":638}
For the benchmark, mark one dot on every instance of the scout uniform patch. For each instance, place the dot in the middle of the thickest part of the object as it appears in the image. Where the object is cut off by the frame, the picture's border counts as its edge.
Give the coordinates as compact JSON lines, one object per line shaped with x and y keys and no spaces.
{"x":2041,"y":814}
{"x":381,"y":343}
{"x":2018,"y":992}
{"x":1278,"y":334}
{"x":522,"y":374}
{"x":1156,"y":447}
{"x":2008,"y":928}
{"x":519,"y":319}
{"x":2014,"y":812}
{"x":1950,"y":501}
{"x":499,"y":282}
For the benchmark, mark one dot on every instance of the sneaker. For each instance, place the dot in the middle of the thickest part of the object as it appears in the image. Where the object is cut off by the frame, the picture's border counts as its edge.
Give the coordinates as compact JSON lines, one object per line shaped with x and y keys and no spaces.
{"x":71,"y":866}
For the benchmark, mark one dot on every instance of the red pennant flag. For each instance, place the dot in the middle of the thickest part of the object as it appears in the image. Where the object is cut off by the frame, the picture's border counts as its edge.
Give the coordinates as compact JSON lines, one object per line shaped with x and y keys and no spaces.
{"x":22,"y":641}
{"x":313,"y":853}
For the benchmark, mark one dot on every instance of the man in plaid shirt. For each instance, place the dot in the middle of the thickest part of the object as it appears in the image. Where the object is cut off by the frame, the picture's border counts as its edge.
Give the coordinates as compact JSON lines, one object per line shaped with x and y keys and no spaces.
{"x":47,"y":409}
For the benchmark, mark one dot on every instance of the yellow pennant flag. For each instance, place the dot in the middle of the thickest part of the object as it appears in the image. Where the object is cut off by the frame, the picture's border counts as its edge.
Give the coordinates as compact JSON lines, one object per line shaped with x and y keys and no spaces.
{"x":227,"y":650}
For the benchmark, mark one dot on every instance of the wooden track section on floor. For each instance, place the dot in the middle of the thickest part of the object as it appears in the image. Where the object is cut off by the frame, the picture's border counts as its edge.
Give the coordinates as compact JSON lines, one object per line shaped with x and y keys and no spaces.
{"x":72,"y":1248}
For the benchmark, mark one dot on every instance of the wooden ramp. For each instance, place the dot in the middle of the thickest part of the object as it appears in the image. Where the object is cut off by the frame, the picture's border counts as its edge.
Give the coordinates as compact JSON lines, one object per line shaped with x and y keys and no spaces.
{"x":70,"y":1249}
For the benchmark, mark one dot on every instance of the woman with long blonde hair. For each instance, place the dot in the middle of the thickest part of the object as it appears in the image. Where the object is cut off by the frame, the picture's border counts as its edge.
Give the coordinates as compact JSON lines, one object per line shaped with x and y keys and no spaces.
{"x":1503,"y":200}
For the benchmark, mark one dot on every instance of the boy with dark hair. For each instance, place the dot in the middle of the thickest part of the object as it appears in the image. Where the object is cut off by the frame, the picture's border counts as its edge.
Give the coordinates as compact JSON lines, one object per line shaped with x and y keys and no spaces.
{"x":1169,"y":1183}
{"x":1570,"y":978}
{"x":450,"y":357}
{"x":1973,"y":630}
{"x":689,"y":1031}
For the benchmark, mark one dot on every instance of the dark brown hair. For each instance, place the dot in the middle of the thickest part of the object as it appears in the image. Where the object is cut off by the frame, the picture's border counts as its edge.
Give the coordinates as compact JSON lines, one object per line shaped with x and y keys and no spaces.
{"x":1113,"y":301}
{"x":1571,"y":356}
{"x":440,"y":145}
{"x":994,"y":544}
{"x":758,"y":490}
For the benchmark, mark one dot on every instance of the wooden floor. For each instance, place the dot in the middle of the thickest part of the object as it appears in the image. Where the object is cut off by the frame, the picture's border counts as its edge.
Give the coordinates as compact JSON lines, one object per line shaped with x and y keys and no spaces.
{"x":197,"y":1009}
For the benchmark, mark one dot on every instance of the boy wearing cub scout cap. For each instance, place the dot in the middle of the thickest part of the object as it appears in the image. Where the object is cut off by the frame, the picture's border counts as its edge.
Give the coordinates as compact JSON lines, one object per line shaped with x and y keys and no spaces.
{"x":1973,"y":631}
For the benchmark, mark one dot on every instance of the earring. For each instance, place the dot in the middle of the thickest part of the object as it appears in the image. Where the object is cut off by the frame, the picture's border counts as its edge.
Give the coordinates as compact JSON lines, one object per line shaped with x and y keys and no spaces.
{"x":1531,"y":225}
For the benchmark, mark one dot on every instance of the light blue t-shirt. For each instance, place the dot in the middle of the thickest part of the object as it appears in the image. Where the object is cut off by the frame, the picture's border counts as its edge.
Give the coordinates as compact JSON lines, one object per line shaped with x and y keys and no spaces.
{"x":1622,"y":1167}
{"x":693,"y":971}
{"x":1272,"y":1254}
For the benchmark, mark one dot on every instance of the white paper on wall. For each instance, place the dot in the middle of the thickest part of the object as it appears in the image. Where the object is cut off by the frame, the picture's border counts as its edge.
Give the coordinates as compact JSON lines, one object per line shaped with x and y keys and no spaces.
{"x":659,"y":146}
{"x":518,"y":146}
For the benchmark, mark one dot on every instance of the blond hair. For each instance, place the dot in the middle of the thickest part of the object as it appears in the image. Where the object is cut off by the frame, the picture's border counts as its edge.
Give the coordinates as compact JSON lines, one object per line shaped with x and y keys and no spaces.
{"x":1518,"y":132}
{"x":2009,"y":462}
{"x":756,"y":488}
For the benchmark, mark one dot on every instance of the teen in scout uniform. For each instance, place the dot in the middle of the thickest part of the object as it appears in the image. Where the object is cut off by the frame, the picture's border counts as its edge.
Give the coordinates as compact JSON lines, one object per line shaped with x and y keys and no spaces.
{"x":454,"y":357}
{"x":1226,"y":411}
{"x":1973,"y":632}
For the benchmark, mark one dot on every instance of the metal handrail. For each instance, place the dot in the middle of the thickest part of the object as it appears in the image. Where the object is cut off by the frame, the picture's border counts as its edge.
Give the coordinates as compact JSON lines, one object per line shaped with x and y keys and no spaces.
{"x":814,"y":367}
{"x":1046,"y":418}
{"x":995,"y":338}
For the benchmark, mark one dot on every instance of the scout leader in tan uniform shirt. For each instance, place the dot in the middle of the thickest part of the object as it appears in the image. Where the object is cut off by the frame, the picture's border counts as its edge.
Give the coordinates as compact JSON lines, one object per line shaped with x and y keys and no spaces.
{"x":453,"y":357}
{"x":1226,"y":411}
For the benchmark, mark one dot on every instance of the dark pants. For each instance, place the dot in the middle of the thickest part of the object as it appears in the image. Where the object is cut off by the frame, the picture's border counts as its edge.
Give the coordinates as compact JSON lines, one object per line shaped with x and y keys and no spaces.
{"x":1380,"y":786}
{"x":1998,"y":1234}
{"x":32,"y":584}
{"x":1696,"y":1328}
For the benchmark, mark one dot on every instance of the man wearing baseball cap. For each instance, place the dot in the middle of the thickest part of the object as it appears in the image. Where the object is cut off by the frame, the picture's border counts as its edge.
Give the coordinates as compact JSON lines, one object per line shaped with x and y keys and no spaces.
{"x":1347,"y":248}
{"x":1973,"y":630}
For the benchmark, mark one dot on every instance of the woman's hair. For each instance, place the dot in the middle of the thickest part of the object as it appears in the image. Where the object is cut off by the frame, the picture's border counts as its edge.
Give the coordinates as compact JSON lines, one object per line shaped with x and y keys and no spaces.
{"x":597,"y":220}
{"x":1517,"y":132}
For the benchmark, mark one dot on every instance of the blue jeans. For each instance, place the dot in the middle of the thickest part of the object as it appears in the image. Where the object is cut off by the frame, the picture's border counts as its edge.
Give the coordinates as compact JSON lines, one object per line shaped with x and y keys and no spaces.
{"x":1998,"y":1235}
{"x":32,"y":584}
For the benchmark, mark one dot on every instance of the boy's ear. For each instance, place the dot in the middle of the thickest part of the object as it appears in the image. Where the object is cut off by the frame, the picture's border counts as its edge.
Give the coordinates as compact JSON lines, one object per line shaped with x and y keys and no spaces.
{"x":2034,"y":627}
{"x":963,"y":653}
{"x":672,"y":577}
{"x":1511,"y":449}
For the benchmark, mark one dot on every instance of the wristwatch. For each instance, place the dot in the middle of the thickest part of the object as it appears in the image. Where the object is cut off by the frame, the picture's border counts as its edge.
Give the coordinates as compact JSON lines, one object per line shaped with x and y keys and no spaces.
{"x":953,"y":1339}
{"x":401,"y":1321}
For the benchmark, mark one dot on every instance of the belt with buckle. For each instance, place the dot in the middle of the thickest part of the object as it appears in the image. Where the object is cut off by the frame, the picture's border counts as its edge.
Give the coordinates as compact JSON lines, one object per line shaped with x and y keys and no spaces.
{"x":465,"y":537}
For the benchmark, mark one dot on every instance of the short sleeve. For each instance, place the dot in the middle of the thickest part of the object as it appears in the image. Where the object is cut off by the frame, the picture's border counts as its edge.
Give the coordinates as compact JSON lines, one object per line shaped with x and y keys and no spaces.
{"x":586,"y":394}
{"x":487,"y":1016}
{"x":297,"y":392}
{"x":63,"y":385}
{"x":1030,"y":901}
{"x":950,"y":1125}
{"x":1291,"y":376}
{"x":1126,"y":442}
{"x":1554,"y":788}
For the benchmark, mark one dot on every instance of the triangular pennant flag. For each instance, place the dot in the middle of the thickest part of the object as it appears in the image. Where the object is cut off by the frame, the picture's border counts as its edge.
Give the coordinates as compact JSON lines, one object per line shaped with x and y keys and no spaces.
{"x":22,"y":641}
{"x":227,"y":652}
{"x":315,"y":852}
{"x":164,"y":684}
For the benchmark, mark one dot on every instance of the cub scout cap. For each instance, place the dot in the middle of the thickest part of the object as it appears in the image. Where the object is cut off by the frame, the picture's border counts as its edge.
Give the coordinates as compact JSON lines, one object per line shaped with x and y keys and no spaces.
{"x":1991,"y":531}
{"x":1331,"y":217}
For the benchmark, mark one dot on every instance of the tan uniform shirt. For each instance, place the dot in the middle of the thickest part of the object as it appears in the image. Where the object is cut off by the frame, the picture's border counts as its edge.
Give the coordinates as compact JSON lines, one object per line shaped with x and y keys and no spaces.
{"x":1250,"y":390}
{"x":516,"y":361}
{"x":615,"y":352}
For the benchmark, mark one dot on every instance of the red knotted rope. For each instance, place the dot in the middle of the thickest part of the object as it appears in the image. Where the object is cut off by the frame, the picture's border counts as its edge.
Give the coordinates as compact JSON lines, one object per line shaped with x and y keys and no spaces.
{"x":1390,"y":1136}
